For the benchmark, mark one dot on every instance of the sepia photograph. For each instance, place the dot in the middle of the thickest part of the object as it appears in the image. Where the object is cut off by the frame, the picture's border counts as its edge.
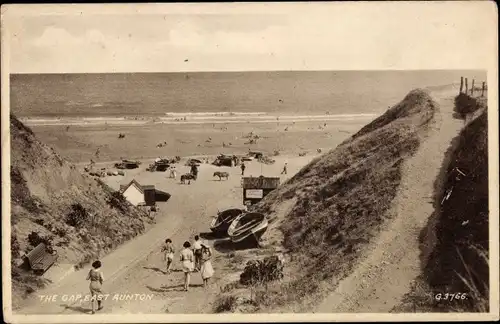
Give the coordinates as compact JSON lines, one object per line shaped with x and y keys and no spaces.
{"x":250,"y":162}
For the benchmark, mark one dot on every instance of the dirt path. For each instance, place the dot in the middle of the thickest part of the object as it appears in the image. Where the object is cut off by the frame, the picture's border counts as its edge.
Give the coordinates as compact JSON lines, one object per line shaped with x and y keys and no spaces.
{"x":388,"y":267}
{"x":137,"y":266}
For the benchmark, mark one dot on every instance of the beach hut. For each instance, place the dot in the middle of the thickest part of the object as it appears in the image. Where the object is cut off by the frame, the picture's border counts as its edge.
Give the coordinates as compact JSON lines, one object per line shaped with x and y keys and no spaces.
{"x":139,"y":195}
{"x":256,"y":188}
{"x":133,"y":192}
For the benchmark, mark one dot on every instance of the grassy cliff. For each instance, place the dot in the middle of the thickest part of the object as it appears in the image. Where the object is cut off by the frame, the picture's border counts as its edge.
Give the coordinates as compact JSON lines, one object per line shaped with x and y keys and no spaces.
{"x":330,"y":210}
{"x":53,"y":202}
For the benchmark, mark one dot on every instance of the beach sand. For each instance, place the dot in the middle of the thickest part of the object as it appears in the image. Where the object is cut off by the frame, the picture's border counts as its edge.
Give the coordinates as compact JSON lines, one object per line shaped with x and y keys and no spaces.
{"x":80,"y":143}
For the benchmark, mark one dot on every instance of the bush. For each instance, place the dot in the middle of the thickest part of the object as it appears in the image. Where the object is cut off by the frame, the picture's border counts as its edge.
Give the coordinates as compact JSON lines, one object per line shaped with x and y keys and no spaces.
{"x":34,"y":239}
{"x":259,"y":272}
{"x":464,"y":104}
{"x":117,"y":200}
{"x":77,"y":216}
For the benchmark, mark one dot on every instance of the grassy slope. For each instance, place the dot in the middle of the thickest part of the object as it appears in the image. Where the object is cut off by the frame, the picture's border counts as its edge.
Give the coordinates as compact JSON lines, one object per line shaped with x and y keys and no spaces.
{"x":459,"y":261}
{"x":342,"y":198}
{"x":43,"y":189}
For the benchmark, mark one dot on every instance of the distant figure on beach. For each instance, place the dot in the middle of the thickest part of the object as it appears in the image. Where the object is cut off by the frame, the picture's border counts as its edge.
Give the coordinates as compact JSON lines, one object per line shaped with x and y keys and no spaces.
{"x":96,"y":279}
{"x":67,"y":128}
{"x":98,"y":152}
{"x":168,"y":253}
{"x":197,"y":253}
{"x":284,"y":169}
{"x":194,"y":171}
{"x":207,"y":270}
{"x":243,"y":167}
{"x":187,"y":260}
{"x":173,"y":172}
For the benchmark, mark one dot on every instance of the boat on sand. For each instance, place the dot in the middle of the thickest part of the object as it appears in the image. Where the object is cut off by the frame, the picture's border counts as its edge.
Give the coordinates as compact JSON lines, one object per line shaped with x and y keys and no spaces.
{"x":247,"y":225}
{"x":221,"y":223}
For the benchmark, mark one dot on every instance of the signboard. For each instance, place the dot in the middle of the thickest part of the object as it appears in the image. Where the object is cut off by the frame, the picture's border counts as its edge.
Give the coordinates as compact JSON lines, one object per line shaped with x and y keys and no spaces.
{"x":254,"y":193}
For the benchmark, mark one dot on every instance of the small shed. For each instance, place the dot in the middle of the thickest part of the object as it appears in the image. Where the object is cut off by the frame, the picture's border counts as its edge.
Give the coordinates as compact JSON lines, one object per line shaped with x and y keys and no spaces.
{"x":256,"y":188}
{"x":133,"y":192}
{"x":139,"y":195}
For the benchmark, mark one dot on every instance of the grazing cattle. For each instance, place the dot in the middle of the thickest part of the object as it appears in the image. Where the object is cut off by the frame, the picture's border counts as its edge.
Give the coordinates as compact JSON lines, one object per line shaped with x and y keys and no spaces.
{"x":187,"y":177}
{"x":221,"y":175}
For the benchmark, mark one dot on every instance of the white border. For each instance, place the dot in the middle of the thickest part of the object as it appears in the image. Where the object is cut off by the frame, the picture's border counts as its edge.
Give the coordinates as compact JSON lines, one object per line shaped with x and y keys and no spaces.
{"x":430,"y":59}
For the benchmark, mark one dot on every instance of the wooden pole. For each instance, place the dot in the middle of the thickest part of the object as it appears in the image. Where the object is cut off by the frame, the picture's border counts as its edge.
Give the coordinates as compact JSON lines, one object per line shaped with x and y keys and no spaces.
{"x":466,"y":86}
{"x":461,"y":84}
{"x":472,"y":88}
{"x":482,"y":90}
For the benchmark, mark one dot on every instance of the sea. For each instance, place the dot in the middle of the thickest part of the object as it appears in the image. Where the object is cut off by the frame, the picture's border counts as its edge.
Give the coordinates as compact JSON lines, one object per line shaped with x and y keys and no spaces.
{"x":183,"y":95}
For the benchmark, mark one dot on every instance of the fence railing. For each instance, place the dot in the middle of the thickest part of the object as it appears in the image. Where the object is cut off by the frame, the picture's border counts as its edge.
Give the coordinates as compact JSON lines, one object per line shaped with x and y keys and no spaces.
{"x":473,"y":90}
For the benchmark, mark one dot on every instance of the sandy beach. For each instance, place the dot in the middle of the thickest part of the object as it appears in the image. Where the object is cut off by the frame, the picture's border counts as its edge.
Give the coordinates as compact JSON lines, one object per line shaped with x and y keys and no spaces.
{"x":80,"y":143}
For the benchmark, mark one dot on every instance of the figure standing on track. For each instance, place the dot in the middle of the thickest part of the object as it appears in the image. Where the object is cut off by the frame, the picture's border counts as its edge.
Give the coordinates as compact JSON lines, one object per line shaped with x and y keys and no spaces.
{"x":197,"y":253}
{"x":284,"y":169}
{"x":168,"y":253}
{"x":173,"y":172}
{"x":243,"y":168}
{"x":194,"y":171}
{"x":187,"y":259}
{"x":96,"y":279}
{"x":207,"y":271}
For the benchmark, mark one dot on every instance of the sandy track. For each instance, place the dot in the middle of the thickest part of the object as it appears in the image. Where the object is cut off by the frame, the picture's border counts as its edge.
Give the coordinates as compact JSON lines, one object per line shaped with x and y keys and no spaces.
{"x":388,"y":266}
{"x":137,"y":266}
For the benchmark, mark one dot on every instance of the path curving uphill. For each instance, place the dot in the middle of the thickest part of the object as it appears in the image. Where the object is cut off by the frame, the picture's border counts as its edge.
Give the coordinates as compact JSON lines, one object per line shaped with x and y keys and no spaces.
{"x":385,"y":272}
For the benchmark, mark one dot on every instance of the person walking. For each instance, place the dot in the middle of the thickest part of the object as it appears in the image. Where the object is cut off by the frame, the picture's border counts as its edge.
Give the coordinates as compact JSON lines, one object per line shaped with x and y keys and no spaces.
{"x":168,"y":253}
{"x":243,"y":167}
{"x":187,"y":260}
{"x":96,"y":279}
{"x":173,"y":172}
{"x":284,"y":169}
{"x":207,"y":270}
{"x":197,"y":253}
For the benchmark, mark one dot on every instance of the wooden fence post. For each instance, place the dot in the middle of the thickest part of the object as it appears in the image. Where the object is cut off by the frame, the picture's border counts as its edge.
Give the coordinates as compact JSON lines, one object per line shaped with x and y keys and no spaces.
{"x":482,"y":90}
{"x":461,"y":84}
{"x":466,"y":87}
{"x":472,"y":88}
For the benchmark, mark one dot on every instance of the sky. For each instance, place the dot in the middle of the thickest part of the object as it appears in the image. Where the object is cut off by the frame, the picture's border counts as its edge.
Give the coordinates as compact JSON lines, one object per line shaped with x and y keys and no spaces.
{"x":246,"y":37}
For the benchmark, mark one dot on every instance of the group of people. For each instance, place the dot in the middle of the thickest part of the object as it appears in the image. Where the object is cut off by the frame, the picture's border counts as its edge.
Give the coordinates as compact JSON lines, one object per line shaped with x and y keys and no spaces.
{"x":194,"y":257}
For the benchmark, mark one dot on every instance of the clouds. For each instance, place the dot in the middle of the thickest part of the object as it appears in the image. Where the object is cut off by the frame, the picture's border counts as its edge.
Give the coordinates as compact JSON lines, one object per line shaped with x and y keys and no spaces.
{"x":337,"y":36}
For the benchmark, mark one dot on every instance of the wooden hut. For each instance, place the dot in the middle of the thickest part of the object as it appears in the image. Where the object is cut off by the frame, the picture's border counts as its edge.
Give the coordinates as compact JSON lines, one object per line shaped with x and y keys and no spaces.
{"x":256,"y":188}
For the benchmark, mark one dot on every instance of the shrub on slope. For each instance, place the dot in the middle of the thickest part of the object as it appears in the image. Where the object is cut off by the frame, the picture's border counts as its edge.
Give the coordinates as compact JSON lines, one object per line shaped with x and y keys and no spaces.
{"x":342,"y":197}
{"x":50,"y":197}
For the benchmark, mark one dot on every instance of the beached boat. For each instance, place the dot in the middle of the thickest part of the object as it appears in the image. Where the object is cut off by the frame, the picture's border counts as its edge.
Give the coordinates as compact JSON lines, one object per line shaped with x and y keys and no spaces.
{"x":247,"y":225}
{"x":221,"y":223}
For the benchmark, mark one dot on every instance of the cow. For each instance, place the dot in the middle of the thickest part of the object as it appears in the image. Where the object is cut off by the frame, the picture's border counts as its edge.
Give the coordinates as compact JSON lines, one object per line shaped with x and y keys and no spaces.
{"x":221,"y":175}
{"x":188,"y":177}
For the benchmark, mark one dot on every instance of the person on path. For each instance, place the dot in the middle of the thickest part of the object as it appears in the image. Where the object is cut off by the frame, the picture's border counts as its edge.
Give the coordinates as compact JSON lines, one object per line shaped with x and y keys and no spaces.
{"x":168,"y":253}
{"x":194,"y":171}
{"x":187,"y":260}
{"x":243,"y":167}
{"x":197,"y":252}
{"x":284,"y":169}
{"x":207,"y":271}
{"x":96,"y":279}
{"x":173,"y":172}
